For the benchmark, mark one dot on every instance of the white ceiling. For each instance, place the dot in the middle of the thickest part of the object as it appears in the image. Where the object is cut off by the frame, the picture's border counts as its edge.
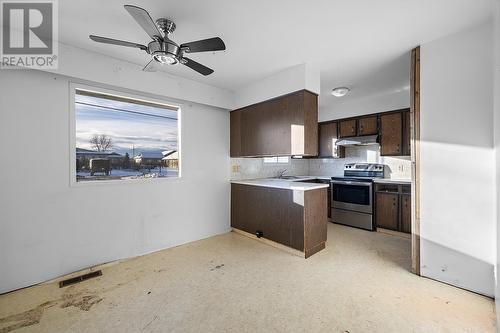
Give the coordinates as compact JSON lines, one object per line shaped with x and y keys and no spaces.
{"x":362,"y":44}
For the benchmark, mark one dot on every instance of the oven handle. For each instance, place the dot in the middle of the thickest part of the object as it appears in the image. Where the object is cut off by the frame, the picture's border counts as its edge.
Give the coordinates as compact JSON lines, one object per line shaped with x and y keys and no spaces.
{"x":348,"y":182}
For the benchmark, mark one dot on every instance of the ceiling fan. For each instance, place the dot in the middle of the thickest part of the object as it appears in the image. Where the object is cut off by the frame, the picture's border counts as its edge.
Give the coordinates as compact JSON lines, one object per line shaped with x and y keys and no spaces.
{"x":163,"y":49}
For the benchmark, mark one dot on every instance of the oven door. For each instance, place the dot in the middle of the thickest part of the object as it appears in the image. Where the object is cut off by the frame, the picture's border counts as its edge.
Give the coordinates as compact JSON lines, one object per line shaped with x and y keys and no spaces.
{"x":349,"y":195}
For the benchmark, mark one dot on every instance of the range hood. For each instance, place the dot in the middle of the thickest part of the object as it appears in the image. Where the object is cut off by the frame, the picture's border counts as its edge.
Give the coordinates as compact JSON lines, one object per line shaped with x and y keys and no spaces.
{"x":358,"y":141}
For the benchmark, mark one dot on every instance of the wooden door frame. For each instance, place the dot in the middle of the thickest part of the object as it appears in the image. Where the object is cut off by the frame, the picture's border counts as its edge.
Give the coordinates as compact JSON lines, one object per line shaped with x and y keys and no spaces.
{"x":415,"y":158}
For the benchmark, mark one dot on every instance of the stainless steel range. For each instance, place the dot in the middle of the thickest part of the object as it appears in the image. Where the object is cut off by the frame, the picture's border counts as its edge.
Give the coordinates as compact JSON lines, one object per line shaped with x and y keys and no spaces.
{"x":352,"y":195}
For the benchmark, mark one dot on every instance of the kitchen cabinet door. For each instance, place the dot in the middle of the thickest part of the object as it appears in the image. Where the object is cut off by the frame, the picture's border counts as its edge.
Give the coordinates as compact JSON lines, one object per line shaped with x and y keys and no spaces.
{"x":274,"y":226}
{"x":275,"y":131}
{"x":235,"y":136}
{"x":368,"y":125}
{"x":406,"y":134}
{"x":387,"y":210}
{"x":405,"y":208}
{"x":253,"y":131}
{"x":246,"y":207}
{"x":347,"y":128}
{"x":329,"y":200}
{"x":328,"y":135}
{"x":310,"y":118}
{"x":286,"y":125}
{"x":391,"y":132}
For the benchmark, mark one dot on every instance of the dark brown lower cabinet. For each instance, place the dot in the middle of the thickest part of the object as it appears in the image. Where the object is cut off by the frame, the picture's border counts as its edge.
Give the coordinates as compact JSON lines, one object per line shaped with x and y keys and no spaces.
{"x":328,"y":192}
{"x":297,"y":219}
{"x":393,"y":207}
{"x":405,"y":208}
{"x":386,"y":210}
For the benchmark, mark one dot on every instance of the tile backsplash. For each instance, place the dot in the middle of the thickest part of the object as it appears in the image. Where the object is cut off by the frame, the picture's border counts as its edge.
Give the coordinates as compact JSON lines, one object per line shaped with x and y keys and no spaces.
{"x":251,"y":168}
{"x":398,"y":167}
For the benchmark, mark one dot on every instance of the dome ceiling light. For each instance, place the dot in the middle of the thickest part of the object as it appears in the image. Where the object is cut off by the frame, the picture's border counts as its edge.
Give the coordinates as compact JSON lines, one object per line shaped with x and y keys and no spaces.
{"x":340,"y":91}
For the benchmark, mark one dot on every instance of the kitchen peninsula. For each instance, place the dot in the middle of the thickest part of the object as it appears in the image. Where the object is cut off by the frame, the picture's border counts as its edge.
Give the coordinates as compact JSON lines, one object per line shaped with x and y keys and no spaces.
{"x":287,"y":214}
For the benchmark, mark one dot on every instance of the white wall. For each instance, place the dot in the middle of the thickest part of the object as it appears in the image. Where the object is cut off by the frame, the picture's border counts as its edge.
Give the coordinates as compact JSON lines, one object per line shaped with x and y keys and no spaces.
{"x":379,"y":102}
{"x":304,"y":76}
{"x":497,"y":147}
{"x":49,"y":229}
{"x":92,"y":66}
{"x":457,"y":160}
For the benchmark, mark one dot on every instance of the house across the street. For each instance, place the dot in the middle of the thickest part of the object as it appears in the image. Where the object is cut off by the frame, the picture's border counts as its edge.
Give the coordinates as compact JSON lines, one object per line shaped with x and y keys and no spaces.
{"x":83,"y":157}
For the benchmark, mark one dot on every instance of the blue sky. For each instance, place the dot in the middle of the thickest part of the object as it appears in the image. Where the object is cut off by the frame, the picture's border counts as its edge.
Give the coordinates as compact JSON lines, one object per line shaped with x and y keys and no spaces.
{"x":154,"y":130}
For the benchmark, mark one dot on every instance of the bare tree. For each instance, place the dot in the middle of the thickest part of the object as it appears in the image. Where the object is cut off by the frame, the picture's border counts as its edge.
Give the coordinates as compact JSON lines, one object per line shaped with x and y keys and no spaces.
{"x":101,"y":142}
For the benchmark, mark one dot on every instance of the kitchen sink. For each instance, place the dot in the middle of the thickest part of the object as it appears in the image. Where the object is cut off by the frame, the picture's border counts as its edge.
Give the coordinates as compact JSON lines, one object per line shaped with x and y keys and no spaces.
{"x":291,"y":177}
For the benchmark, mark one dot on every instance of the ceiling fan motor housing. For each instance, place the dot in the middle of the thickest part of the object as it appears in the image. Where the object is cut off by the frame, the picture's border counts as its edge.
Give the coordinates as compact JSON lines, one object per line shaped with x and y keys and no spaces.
{"x":164,"y":48}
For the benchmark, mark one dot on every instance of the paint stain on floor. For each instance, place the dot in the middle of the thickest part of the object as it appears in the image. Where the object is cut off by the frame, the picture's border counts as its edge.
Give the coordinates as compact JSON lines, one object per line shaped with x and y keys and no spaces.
{"x":82,"y":300}
{"x":24,"y":319}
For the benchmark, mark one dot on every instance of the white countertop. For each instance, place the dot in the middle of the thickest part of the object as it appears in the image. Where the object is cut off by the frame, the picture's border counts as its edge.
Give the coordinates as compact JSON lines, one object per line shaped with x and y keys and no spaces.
{"x":297,"y":184}
{"x":392,"y":181}
{"x":288,"y":184}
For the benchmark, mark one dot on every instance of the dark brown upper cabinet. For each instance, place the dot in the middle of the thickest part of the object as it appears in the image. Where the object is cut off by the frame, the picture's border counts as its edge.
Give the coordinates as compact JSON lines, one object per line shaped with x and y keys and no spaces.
{"x":368,"y":125}
{"x":286,"y":125}
{"x":393,"y":128}
{"x":359,"y":126}
{"x":328,"y":135}
{"x":406,"y":133}
{"x":391,"y":134}
{"x":235,"y":130}
{"x":348,"y":128}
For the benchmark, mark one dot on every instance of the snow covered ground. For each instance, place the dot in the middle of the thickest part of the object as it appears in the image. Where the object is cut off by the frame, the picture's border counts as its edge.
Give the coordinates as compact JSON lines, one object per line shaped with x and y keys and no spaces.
{"x":128,"y":174}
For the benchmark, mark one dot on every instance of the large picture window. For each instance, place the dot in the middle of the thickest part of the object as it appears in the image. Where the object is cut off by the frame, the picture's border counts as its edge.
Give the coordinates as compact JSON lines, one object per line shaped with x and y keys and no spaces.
{"x":117,"y":138}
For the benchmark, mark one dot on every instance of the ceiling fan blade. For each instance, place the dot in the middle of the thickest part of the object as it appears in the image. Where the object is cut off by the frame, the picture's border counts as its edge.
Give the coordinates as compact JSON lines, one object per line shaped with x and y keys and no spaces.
{"x":151,"y":66}
{"x":106,"y":40}
{"x":210,"y":44}
{"x":145,"y":21}
{"x":197,"y":66}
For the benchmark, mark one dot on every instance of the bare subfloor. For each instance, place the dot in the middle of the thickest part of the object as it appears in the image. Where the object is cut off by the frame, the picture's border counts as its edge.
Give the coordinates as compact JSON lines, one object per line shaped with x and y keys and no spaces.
{"x":229,"y":283}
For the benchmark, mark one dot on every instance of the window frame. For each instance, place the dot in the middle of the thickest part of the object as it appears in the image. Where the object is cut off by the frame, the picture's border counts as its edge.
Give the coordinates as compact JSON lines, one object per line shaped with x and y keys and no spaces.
{"x":73,"y":87}
{"x":277,"y":162}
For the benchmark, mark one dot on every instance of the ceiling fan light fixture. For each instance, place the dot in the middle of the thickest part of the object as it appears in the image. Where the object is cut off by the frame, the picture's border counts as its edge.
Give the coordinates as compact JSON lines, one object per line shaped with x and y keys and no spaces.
{"x":161,"y":48}
{"x":165,"y":58}
{"x":340,"y":91}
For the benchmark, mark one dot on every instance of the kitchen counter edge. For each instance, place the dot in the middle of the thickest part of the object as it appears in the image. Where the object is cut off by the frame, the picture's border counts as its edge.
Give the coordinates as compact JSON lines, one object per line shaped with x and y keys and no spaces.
{"x":282,"y":184}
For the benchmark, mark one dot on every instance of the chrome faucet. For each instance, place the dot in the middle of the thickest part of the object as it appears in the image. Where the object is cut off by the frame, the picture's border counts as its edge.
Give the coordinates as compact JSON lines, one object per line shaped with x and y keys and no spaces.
{"x":281,"y":173}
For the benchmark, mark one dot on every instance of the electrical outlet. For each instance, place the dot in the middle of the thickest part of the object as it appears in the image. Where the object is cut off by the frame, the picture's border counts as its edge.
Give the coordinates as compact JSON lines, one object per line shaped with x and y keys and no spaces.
{"x":236,"y":168}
